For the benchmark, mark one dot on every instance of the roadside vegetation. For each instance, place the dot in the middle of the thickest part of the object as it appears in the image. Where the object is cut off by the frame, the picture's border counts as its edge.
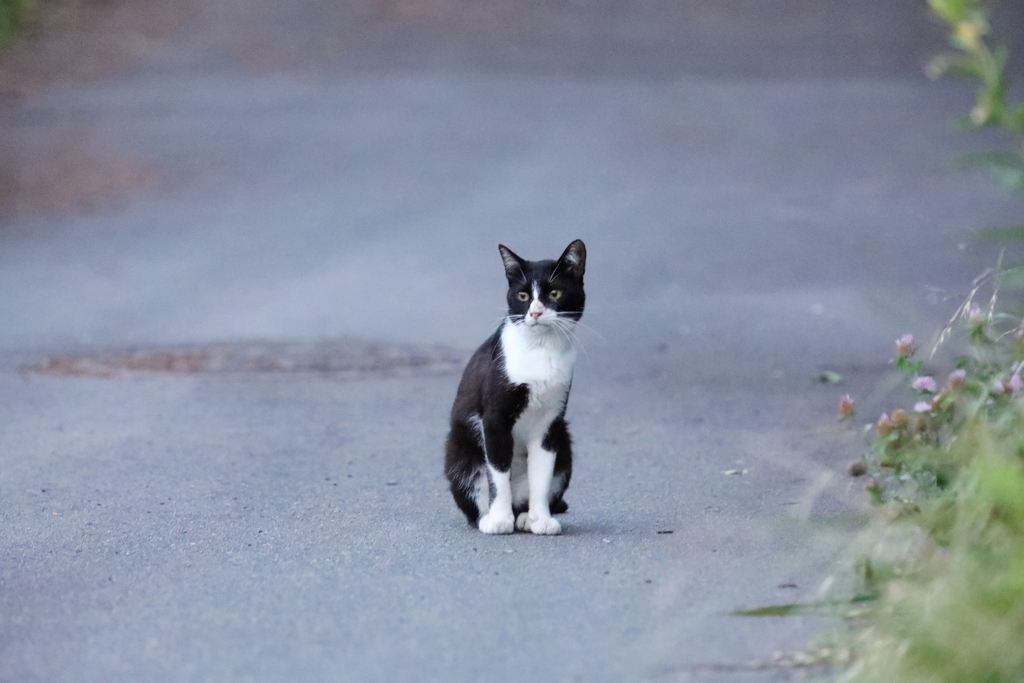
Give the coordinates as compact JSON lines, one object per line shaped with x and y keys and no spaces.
{"x":939,"y":583}
{"x":14,"y":16}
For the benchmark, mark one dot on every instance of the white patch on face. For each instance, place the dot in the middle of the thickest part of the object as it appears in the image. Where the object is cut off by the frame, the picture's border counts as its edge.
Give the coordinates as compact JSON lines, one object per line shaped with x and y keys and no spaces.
{"x":536,"y":313}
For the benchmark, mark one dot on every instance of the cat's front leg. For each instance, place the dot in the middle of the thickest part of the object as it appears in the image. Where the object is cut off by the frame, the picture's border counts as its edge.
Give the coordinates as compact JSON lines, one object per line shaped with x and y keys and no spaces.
{"x":499,"y":519}
{"x":498,"y":438}
{"x":540,"y":466}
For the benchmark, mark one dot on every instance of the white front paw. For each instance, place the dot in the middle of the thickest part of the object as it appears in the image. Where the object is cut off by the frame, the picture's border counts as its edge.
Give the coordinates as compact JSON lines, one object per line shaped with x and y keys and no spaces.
{"x":546,"y":526}
{"x":497,"y":523}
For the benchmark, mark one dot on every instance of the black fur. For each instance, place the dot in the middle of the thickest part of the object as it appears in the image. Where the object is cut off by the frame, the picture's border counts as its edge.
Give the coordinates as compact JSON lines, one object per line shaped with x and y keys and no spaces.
{"x":563,"y":275}
{"x":487,"y":397}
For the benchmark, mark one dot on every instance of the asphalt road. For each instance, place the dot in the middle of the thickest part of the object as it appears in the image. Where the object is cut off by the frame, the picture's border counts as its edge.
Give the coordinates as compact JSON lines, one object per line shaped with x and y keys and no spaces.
{"x":198,"y":515}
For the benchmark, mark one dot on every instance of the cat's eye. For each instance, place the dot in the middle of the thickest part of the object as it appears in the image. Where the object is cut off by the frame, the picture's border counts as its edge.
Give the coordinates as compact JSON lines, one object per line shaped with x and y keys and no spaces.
{"x":523,"y":296}
{"x":555,"y":294}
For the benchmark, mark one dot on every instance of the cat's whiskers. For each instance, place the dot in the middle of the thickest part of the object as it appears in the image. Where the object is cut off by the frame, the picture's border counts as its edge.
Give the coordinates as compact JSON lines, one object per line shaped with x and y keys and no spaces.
{"x":567,"y":327}
{"x":554,"y":325}
{"x":513,"y":318}
{"x":558,"y":326}
{"x":585,"y":326}
{"x":561,"y":324}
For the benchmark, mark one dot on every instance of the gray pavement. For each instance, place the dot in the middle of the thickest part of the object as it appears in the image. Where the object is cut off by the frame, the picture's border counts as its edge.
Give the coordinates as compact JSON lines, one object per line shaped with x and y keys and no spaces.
{"x":746,"y":228}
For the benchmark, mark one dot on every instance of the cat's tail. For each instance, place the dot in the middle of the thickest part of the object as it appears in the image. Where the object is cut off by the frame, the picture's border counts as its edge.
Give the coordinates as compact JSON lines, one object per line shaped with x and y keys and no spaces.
{"x":467,"y":475}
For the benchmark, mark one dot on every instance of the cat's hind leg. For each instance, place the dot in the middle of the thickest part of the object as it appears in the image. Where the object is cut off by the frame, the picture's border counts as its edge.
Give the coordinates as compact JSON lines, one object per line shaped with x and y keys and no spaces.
{"x":464,"y":465}
{"x":520,"y":489}
{"x":559,"y":440}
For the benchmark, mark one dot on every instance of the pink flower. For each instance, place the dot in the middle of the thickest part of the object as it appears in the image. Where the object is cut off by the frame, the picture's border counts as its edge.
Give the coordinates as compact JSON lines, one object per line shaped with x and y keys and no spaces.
{"x":1016,"y":384}
{"x":923,"y":407}
{"x":975,"y":318}
{"x":925,"y":384}
{"x":905,"y":346}
{"x":885,"y":425}
{"x":956,"y":378}
{"x":847,"y":407}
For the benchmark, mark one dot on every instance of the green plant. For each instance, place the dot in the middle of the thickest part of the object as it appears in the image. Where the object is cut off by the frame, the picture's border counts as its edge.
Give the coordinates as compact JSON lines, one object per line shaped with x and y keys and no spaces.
{"x":945,"y":557}
{"x":946,"y":560}
{"x":968,"y":21}
{"x":14,"y":15}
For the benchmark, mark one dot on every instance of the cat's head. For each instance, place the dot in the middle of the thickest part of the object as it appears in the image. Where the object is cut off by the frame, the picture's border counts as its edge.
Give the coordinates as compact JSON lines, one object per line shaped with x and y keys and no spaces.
{"x":545,"y":293}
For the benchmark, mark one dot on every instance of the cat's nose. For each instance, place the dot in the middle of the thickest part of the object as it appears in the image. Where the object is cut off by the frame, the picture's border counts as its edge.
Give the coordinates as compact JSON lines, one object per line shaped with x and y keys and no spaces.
{"x":536,"y":314}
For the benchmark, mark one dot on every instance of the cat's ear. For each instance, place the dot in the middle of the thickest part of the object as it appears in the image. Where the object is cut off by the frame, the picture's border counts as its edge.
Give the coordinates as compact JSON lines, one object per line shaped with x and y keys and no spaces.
{"x":513,"y":264}
{"x":574,"y":259}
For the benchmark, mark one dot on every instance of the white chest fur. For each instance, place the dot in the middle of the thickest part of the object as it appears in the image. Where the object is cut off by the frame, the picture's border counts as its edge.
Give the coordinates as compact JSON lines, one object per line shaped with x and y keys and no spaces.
{"x":542,"y":361}
{"x":539,"y":358}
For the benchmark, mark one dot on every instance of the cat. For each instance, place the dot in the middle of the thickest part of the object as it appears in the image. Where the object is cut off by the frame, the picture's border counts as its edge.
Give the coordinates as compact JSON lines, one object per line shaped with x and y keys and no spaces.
{"x":508,"y":456}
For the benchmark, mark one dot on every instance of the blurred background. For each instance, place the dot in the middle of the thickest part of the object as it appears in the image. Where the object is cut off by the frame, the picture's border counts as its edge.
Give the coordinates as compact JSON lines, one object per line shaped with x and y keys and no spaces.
{"x":765,"y":191}
{"x":228,"y":168}
{"x":641,"y":39}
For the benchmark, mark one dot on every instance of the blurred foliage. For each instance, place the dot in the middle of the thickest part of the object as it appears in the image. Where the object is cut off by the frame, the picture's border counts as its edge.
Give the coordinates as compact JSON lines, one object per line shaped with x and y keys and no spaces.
{"x":14,"y":16}
{"x":969,"y":26}
{"x":945,"y":559}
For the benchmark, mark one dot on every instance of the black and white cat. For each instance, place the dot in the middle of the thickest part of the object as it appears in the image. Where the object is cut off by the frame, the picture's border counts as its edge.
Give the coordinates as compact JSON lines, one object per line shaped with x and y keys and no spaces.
{"x":508,"y":432}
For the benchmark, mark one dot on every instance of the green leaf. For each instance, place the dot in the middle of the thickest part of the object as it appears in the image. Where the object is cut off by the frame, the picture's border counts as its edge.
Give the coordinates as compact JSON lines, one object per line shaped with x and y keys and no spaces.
{"x":1010,"y":178}
{"x":966,"y":122}
{"x":1011,"y":232}
{"x":1012,"y":278}
{"x":953,"y":11}
{"x":797,"y":608}
{"x":770,"y":611}
{"x":1007,"y":167}
{"x":15,"y":16}
{"x":953,"y":64}
{"x":993,"y":159}
{"x":907,"y":365}
{"x":1015,"y":119}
